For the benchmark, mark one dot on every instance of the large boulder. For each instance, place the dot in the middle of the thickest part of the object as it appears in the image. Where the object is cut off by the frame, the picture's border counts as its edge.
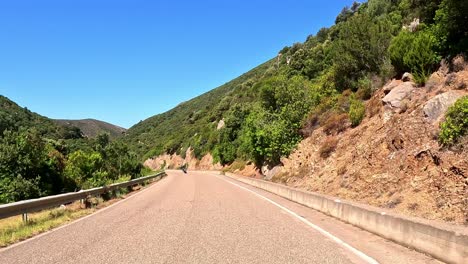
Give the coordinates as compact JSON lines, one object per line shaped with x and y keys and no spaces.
{"x":395,"y":97}
{"x":435,"y":108}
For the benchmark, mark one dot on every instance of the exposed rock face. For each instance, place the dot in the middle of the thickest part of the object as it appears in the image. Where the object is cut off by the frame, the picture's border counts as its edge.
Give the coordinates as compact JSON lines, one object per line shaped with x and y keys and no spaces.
{"x":165,"y":161}
{"x":389,"y":86}
{"x":175,"y":161}
{"x":395,"y":97}
{"x":436,"y":107}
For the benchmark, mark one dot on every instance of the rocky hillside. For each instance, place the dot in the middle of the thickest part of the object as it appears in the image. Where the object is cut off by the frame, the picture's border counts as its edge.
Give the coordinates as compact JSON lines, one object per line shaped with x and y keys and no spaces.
{"x":393,"y":159}
{"x":92,"y":127}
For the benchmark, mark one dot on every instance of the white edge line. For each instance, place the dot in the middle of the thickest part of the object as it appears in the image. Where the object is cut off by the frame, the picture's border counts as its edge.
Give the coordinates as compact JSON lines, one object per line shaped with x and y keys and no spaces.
{"x":77,"y":220}
{"x":360,"y":254}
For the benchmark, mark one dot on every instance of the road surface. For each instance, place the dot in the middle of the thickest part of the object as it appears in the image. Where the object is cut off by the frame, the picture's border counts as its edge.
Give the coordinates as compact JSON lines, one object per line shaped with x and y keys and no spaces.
{"x":203,"y":217}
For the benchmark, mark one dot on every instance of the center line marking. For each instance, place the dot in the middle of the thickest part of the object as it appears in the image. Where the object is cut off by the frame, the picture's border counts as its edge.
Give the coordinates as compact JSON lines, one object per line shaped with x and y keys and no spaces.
{"x":360,"y":254}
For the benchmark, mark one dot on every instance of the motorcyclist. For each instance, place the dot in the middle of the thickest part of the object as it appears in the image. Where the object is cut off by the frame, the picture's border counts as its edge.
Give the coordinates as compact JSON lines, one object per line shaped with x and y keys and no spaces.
{"x":184,"y":167}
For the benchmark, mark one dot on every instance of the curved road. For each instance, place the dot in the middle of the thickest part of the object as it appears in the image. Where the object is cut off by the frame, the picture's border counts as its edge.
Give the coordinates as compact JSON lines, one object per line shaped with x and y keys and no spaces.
{"x":207,"y":218}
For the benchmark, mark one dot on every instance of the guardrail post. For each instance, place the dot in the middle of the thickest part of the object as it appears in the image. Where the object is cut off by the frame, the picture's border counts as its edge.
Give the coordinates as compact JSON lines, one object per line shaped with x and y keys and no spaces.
{"x":25,"y":217}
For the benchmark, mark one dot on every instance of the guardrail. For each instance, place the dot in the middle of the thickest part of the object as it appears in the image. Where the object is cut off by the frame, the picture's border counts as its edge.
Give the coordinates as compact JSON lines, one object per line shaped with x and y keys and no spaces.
{"x":34,"y":205}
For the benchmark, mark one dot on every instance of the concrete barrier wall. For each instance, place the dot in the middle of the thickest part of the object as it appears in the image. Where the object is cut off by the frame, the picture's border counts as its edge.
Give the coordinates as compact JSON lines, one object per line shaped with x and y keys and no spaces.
{"x":447,"y":244}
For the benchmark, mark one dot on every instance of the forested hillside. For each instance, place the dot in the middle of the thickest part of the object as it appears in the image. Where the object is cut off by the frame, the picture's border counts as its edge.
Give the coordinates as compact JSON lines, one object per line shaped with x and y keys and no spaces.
{"x":38,"y":157}
{"x":14,"y":118}
{"x":322,"y":81}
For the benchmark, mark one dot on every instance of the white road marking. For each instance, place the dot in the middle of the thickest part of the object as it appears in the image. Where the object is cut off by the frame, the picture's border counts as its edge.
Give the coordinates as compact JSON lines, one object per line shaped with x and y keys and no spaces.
{"x":79,"y":219}
{"x":360,"y":254}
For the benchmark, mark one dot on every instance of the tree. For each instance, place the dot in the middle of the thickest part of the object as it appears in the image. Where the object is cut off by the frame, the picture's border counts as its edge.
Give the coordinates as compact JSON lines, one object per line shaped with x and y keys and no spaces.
{"x":450,"y":27}
{"x":29,"y":167}
{"x":226,"y":150}
{"x":86,"y":169}
{"x":70,"y":132}
{"x":102,"y":140}
{"x":361,"y":48}
{"x":414,"y":52}
{"x":271,"y":130}
{"x":322,"y":34}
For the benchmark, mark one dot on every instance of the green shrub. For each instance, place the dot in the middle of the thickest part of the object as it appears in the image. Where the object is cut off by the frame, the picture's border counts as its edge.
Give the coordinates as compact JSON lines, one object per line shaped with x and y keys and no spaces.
{"x":456,"y":122}
{"x":357,"y":110}
{"x":414,"y":52}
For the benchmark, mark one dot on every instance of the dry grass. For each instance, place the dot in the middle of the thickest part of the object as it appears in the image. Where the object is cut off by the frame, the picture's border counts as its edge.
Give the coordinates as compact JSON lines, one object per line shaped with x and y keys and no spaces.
{"x":237,"y":165}
{"x":374,"y":106}
{"x":336,"y":124}
{"x":13,"y":229}
{"x":328,"y":147}
{"x":459,"y":63}
{"x":309,"y":125}
{"x":341,"y":170}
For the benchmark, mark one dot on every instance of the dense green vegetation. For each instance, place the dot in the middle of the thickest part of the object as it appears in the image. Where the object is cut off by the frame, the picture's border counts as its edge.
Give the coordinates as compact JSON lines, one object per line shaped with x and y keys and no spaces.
{"x":321,"y":82}
{"x":39,"y":157}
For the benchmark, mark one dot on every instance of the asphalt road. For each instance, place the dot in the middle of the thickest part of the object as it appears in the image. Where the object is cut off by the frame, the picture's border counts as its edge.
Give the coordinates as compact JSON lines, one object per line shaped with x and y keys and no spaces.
{"x":207,"y":218}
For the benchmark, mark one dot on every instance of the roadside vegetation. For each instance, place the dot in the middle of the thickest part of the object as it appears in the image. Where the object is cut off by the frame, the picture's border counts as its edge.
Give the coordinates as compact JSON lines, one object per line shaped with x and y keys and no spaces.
{"x":40,"y":158}
{"x":14,"y":229}
{"x":323,"y":81}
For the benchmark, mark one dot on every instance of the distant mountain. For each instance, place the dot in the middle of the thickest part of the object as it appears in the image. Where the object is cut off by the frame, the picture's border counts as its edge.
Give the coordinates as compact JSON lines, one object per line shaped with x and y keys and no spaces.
{"x":92,"y":127}
{"x":14,"y":117}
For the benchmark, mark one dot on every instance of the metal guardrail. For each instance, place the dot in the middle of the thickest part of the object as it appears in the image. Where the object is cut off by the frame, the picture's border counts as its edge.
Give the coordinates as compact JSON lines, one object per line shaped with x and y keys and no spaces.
{"x":34,"y":205}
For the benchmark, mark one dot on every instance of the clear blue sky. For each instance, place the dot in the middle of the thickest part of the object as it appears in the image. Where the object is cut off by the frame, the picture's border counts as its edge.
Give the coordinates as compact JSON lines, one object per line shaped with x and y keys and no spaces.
{"x":124,"y":61}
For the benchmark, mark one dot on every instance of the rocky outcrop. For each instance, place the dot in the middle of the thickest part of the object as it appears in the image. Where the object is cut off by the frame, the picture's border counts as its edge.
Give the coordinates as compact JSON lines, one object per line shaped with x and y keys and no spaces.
{"x":174,"y":161}
{"x":164,"y":161}
{"x":389,"y":86}
{"x":395,"y":97}
{"x":436,"y":107}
